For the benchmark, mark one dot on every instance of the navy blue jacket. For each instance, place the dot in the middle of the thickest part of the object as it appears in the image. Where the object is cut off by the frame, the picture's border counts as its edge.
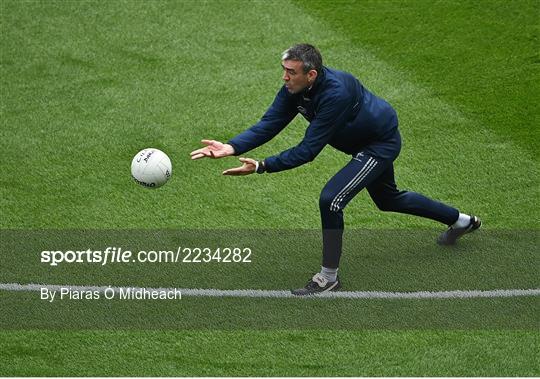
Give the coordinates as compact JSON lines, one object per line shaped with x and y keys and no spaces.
{"x":342,"y":113}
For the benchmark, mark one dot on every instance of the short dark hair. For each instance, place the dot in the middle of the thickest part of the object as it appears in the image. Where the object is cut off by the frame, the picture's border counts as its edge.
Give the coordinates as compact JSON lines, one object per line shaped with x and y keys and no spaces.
{"x":305,"y":53}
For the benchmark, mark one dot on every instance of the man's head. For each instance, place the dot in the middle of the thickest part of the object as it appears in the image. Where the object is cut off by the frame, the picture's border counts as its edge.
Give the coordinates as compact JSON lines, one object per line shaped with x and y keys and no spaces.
{"x":301,"y":64}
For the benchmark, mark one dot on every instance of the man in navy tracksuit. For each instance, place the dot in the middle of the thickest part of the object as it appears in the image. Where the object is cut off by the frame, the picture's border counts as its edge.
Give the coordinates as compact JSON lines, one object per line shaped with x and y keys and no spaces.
{"x":342,"y":113}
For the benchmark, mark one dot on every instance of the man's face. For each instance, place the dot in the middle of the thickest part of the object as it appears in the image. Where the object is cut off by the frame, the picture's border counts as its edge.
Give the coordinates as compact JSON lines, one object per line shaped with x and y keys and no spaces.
{"x":295,"y":78}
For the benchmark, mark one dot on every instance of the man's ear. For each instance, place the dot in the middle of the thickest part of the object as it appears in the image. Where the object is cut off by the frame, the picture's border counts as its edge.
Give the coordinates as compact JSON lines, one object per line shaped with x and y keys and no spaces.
{"x":312,"y":75}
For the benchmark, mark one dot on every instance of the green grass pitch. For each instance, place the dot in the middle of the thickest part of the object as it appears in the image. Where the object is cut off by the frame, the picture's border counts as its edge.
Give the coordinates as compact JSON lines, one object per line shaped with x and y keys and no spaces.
{"x":85,"y":85}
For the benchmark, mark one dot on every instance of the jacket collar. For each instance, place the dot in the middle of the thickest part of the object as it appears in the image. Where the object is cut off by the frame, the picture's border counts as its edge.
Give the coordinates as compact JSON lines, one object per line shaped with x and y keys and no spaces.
{"x":308,"y":92}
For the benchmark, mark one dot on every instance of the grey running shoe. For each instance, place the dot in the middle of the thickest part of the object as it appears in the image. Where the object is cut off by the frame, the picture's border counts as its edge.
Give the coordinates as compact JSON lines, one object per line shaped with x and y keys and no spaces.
{"x":317,"y":284}
{"x":451,"y":235}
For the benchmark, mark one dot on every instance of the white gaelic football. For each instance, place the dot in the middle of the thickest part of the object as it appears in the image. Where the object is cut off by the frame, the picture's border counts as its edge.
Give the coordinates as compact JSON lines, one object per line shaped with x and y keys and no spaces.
{"x":151,"y":168}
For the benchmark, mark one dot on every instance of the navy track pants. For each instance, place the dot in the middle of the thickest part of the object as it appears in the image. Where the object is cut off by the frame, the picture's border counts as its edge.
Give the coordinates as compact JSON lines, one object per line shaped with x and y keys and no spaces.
{"x":373,"y":169}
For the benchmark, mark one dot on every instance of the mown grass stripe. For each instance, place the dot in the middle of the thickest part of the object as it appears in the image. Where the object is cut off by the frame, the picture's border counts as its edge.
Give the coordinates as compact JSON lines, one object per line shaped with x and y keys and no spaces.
{"x":199,"y":292}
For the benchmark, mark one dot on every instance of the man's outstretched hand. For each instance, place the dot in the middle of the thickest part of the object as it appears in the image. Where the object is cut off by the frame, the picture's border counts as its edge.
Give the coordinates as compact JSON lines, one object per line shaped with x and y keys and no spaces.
{"x":216,"y":149}
{"x":248,"y":167}
{"x":213,"y":149}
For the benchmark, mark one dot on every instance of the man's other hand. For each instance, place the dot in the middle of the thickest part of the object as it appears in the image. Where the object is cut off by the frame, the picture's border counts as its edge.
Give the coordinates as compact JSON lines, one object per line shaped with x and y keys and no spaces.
{"x":213,"y":149}
{"x":248,"y":167}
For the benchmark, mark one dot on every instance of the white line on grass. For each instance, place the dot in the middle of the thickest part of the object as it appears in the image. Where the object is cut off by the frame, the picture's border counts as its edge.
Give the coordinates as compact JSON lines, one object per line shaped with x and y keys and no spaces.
{"x":190,"y":292}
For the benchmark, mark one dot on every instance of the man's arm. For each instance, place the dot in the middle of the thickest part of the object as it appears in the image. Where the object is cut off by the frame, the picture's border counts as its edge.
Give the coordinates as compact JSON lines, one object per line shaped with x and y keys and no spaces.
{"x":332,"y":114}
{"x":279,"y":115}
